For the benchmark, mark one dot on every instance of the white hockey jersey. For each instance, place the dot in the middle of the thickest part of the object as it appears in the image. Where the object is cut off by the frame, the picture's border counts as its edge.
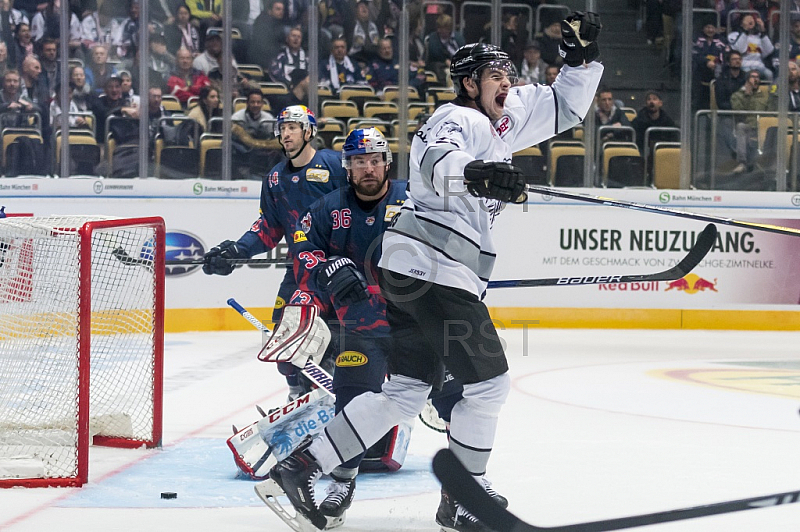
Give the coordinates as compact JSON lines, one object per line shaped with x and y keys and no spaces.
{"x":443,"y":234}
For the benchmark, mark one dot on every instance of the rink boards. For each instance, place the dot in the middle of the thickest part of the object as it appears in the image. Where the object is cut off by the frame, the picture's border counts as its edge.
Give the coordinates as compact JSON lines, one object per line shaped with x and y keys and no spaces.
{"x":748,"y":281}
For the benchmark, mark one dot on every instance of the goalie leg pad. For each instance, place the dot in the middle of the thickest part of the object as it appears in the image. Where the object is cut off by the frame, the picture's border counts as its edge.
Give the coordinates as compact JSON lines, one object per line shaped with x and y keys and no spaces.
{"x":283,"y":429}
{"x":251,"y":453}
{"x":389,"y":453}
{"x":259,"y":446}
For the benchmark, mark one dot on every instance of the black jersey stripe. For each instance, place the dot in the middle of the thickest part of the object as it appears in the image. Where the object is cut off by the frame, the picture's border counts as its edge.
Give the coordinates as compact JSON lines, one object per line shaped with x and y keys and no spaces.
{"x":555,"y":100}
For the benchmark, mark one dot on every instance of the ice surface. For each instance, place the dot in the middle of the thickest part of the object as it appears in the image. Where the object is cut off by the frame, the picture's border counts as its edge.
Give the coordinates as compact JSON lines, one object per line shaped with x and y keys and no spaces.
{"x":599,"y":424}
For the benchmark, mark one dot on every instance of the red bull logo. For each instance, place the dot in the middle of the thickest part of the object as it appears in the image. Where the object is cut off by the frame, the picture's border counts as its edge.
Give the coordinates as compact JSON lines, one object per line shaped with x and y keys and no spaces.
{"x":691,"y":284}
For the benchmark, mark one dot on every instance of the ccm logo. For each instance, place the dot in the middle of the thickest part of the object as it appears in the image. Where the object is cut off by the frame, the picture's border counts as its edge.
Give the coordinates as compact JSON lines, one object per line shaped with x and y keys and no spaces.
{"x":246,"y":435}
{"x":590,"y":280}
{"x":275,"y":416}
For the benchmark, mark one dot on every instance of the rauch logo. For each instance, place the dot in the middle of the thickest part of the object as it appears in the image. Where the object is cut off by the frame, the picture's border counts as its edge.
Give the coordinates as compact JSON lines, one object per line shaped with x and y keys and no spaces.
{"x":182,"y":246}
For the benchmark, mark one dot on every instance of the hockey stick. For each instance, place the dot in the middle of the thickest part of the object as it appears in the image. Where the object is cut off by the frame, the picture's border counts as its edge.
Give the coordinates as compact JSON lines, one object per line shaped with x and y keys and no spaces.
{"x":462,"y":486}
{"x":123,"y":256}
{"x":705,"y":241}
{"x":578,"y":196}
{"x":193,"y":262}
{"x":703,"y":244}
{"x":315,"y":374}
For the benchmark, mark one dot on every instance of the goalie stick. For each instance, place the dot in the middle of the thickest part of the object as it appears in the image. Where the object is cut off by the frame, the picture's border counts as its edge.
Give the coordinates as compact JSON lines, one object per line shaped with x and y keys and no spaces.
{"x":705,"y":241}
{"x":315,"y":374}
{"x":459,"y":483}
{"x":610,"y":202}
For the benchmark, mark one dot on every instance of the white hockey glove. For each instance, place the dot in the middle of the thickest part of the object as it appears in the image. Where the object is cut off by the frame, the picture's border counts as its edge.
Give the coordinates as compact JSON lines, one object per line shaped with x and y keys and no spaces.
{"x":301,"y":335}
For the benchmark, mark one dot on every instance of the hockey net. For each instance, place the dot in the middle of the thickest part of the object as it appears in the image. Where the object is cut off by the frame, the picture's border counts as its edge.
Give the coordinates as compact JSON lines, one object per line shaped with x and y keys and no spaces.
{"x":81,"y":343}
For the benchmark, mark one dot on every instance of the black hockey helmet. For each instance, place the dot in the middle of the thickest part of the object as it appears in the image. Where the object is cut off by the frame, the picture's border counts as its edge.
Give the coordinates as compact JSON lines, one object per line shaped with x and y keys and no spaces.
{"x":470,"y":59}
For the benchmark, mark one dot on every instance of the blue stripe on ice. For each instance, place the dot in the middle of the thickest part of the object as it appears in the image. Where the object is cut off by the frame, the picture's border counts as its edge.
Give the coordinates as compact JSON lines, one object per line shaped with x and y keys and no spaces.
{"x":201,"y":471}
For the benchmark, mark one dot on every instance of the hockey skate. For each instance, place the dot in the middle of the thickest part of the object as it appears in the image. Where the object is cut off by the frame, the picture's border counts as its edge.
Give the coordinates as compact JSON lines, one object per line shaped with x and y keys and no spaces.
{"x":294,"y":478}
{"x":499,"y":499}
{"x":338,"y":500}
{"x":452,"y":517}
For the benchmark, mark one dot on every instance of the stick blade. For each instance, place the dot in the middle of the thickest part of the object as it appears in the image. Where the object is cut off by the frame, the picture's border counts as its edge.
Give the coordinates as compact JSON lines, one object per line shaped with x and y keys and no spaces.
{"x":461,"y":485}
{"x":705,"y":241}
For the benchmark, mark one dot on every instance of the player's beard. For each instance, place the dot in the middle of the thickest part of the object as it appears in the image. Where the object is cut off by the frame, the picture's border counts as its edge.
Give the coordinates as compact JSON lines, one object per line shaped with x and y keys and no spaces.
{"x":372,"y":188}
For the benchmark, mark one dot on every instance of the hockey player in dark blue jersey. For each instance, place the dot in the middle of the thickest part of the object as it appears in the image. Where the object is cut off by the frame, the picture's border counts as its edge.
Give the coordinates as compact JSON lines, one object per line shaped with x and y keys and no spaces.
{"x":337,"y":248}
{"x":286,"y":193}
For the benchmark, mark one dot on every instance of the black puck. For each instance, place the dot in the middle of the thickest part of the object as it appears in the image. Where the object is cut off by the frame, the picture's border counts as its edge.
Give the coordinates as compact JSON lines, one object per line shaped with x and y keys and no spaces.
{"x":169,"y":495}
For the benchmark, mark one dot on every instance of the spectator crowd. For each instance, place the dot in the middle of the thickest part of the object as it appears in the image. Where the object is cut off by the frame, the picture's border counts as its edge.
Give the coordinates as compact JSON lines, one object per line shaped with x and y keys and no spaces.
{"x":358,"y":46}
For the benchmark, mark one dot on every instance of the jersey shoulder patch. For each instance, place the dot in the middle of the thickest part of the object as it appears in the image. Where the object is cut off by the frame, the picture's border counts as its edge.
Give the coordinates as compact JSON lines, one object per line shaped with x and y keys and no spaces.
{"x":504,"y":125}
{"x":317,"y":175}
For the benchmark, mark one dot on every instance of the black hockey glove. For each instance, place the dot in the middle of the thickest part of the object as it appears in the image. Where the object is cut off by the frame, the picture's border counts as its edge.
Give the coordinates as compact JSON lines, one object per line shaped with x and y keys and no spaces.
{"x":343,"y":282}
{"x":495,"y":180}
{"x":216,"y":258}
{"x":579,"y":38}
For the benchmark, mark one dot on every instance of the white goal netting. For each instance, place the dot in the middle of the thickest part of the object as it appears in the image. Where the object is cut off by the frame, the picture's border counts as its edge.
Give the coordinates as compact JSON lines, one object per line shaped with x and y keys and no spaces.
{"x":74,"y":295}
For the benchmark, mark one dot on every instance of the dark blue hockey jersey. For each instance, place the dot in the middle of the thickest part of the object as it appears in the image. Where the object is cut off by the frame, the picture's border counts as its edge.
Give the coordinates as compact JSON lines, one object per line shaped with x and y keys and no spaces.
{"x":337,"y":225}
{"x":286,"y":193}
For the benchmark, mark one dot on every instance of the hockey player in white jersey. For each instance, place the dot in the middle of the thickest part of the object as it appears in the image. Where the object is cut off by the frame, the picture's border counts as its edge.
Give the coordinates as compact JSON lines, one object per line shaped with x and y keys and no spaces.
{"x":438,"y":256}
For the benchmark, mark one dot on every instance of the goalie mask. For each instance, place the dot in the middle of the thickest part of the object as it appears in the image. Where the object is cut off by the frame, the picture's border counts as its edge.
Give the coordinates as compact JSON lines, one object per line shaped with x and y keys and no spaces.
{"x":301,"y":115}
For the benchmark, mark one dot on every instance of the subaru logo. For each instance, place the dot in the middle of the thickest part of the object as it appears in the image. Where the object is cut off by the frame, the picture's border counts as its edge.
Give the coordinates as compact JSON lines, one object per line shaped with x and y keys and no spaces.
{"x":182,"y":246}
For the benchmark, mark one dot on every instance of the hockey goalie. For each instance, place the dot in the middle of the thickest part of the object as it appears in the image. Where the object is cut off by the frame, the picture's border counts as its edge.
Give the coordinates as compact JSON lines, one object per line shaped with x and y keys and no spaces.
{"x":301,"y":339}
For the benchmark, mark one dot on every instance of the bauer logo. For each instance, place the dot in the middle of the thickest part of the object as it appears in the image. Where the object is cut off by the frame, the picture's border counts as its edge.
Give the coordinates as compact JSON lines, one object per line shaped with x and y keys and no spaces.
{"x":350,"y":359}
{"x":182,"y":246}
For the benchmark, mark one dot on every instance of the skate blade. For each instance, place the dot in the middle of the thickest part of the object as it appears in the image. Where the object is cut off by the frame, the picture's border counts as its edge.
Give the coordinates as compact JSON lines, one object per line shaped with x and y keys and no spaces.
{"x":268,"y":491}
{"x":334,"y":522}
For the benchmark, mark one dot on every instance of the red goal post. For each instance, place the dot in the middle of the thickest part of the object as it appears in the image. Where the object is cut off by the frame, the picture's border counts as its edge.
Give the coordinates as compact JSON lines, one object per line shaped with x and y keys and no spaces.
{"x":81,"y":343}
